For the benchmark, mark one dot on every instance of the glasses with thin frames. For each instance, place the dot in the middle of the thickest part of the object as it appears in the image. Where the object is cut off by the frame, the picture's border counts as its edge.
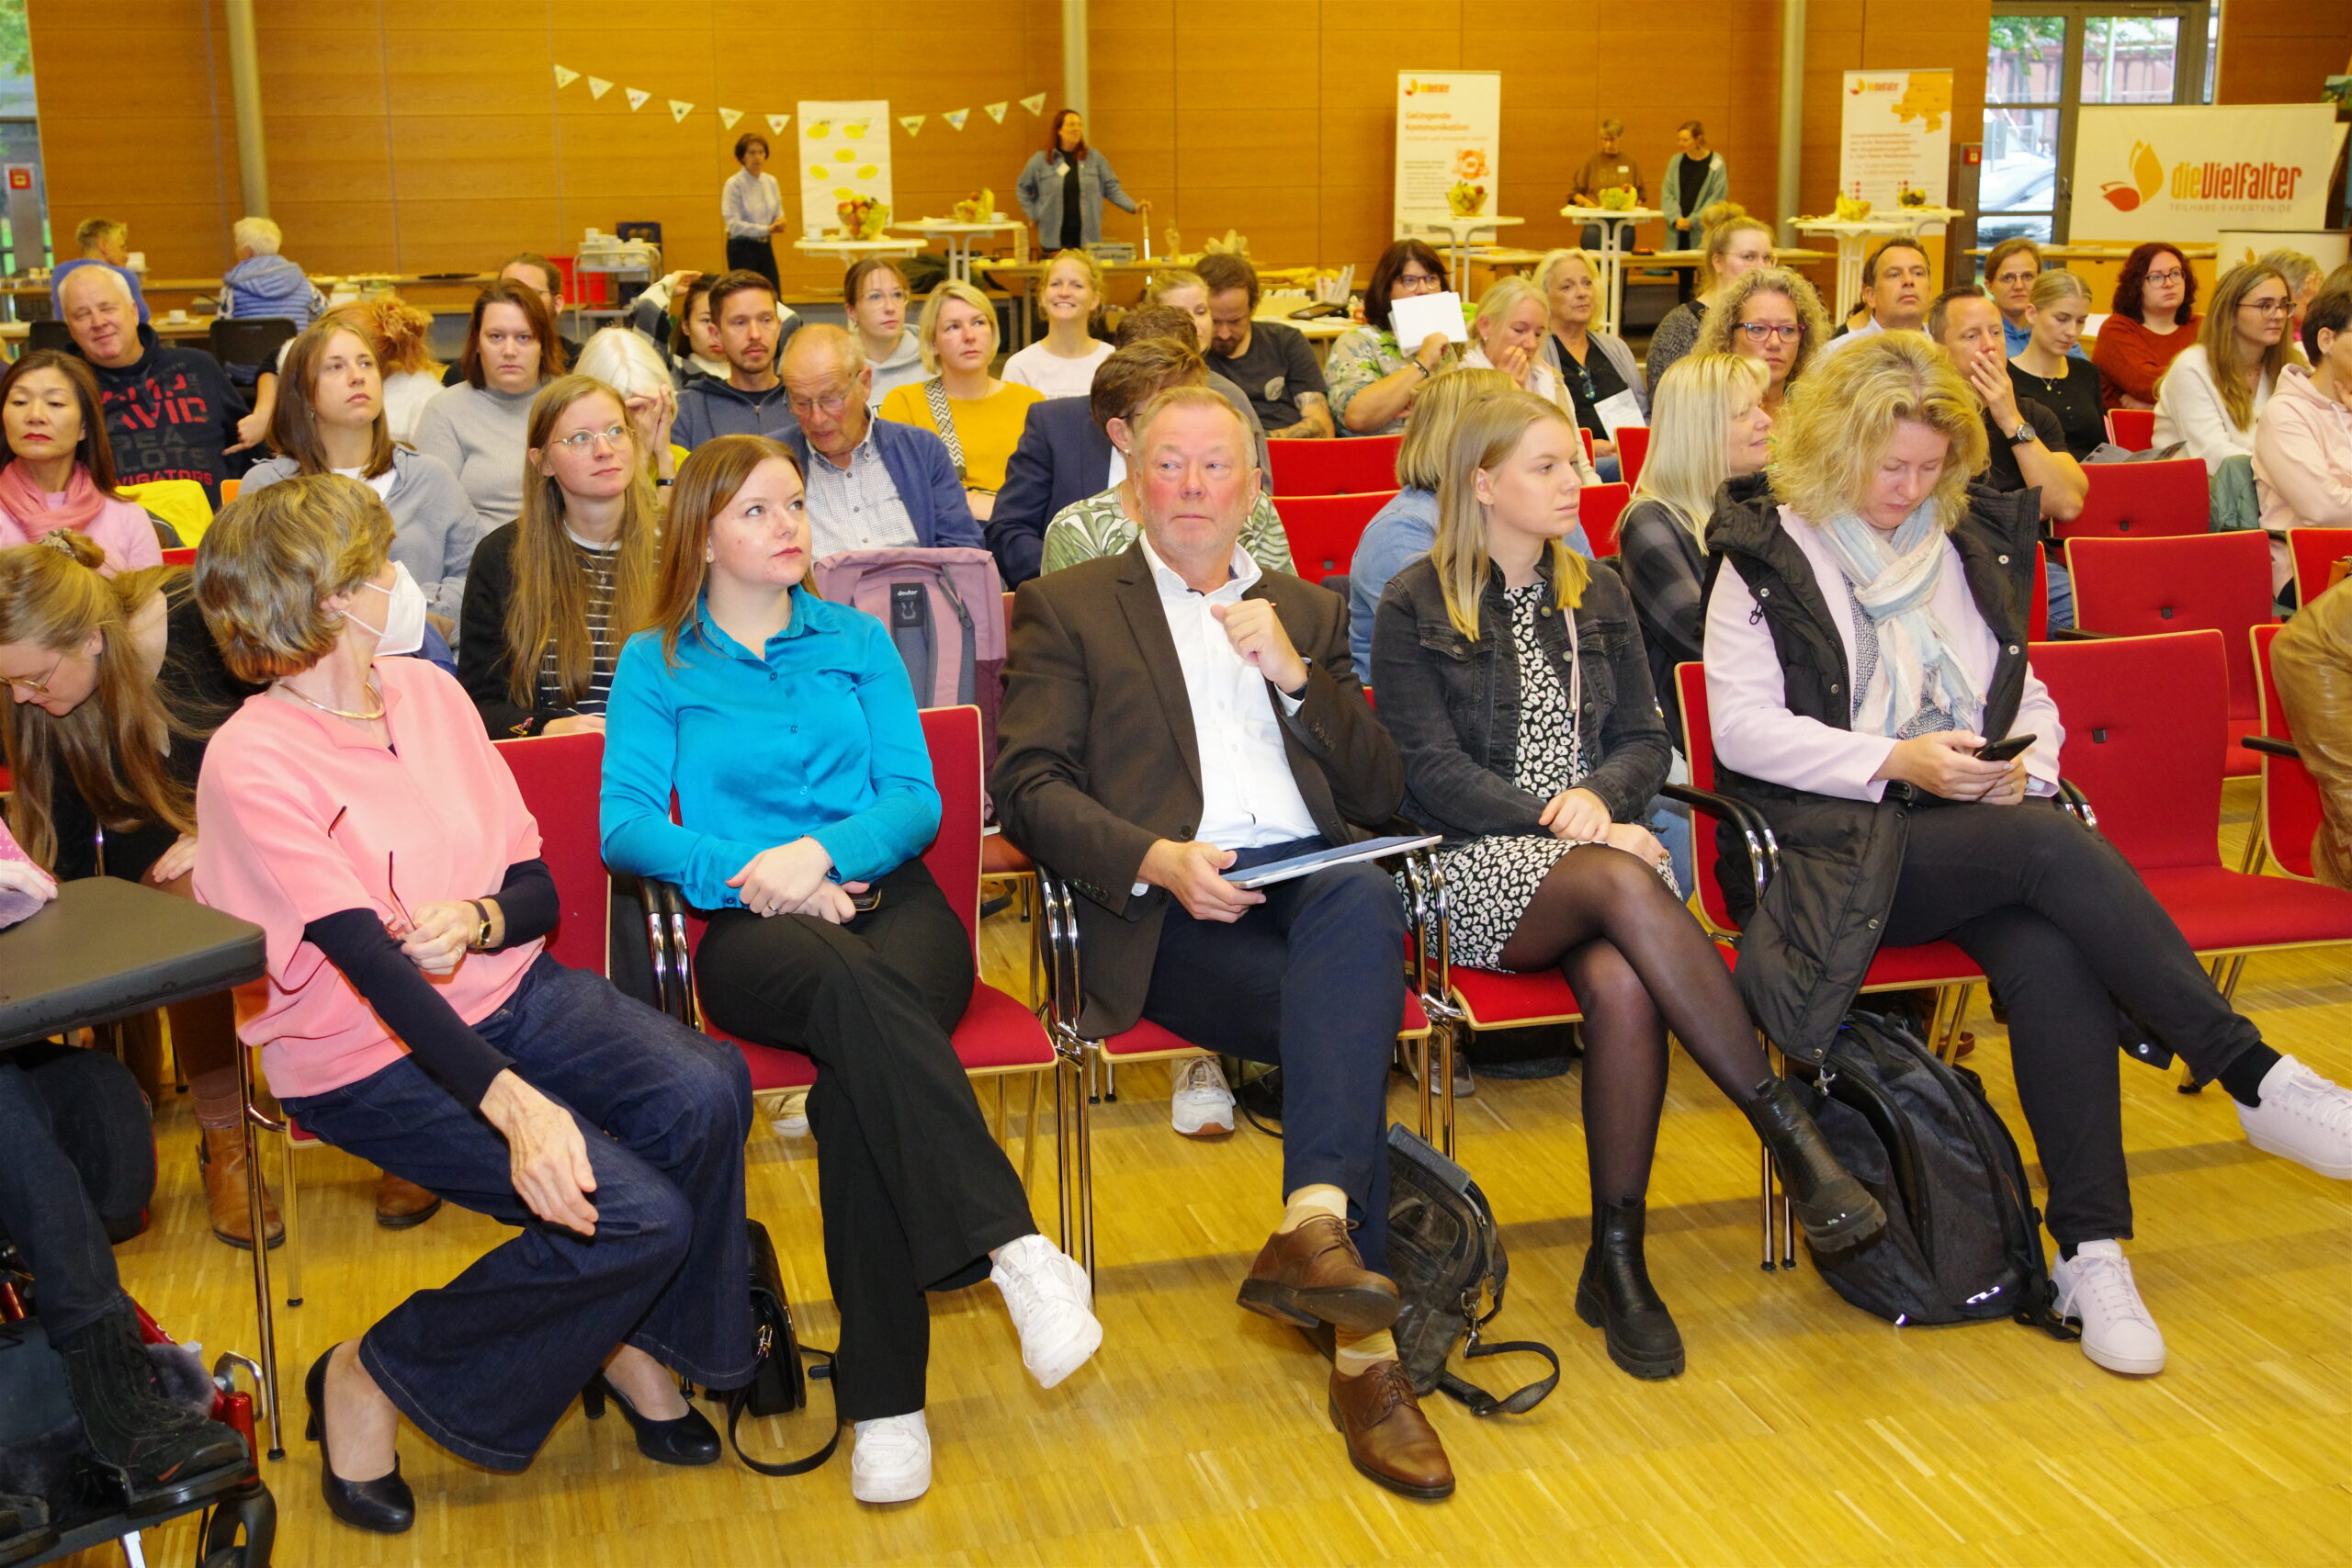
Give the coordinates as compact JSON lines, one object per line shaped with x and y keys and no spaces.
{"x":37,"y":688}
{"x":580,"y":440}
{"x":2171,"y":274}
{"x":2268,"y":307}
{"x":1771,"y":332}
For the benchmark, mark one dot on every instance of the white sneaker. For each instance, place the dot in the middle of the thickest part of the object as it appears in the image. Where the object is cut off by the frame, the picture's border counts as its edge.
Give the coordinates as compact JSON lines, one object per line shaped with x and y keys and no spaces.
{"x":1201,"y":1106}
{"x":890,"y":1460}
{"x":2302,"y":1117}
{"x":789,"y":1113}
{"x":2095,"y":1289}
{"x":1052,"y":1304}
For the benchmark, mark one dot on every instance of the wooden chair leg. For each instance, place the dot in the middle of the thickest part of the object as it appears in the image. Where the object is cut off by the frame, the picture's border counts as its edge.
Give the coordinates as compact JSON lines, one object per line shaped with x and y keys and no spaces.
{"x":2256,"y":850}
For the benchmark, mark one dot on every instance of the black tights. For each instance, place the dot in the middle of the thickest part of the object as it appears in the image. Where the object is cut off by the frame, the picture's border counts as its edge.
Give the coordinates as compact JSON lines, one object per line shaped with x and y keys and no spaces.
{"x":1639,"y":965}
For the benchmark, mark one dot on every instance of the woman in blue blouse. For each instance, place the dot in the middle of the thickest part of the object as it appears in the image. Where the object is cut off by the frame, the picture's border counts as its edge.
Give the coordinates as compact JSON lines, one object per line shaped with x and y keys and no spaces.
{"x":787,"y":729}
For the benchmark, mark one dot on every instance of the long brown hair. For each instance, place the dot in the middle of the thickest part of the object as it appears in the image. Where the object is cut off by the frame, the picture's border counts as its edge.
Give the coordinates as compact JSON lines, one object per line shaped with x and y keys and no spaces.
{"x":549,"y":602}
{"x":1488,"y":432}
{"x":294,"y":427}
{"x":2219,"y":338}
{"x":708,"y":480}
{"x":112,"y":745}
{"x":95,"y":450}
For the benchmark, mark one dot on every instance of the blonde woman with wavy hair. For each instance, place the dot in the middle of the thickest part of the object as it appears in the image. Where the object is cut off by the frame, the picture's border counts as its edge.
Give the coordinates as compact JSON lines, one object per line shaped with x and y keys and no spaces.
{"x":1770,"y":315}
{"x":2213,"y":394}
{"x":1865,"y":649}
{"x":977,"y":415}
{"x":1513,"y":679}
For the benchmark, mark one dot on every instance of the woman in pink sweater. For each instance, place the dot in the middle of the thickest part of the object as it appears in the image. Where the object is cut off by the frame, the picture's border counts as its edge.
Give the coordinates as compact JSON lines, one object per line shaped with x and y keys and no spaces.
{"x":58,"y":471}
{"x":2303,"y":446}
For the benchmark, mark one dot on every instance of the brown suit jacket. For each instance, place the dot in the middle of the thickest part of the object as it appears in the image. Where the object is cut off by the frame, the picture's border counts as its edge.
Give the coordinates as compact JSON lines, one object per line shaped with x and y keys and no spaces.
{"x":1098,"y":756}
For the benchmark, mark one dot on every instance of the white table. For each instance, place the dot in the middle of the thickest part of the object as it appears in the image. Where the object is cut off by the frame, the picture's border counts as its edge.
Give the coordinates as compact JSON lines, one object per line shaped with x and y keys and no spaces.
{"x":849,"y":249}
{"x":1459,"y":231}
{"x":1615,"y":224}
{"x":959,"y":237}
{"x":1854,"y":236}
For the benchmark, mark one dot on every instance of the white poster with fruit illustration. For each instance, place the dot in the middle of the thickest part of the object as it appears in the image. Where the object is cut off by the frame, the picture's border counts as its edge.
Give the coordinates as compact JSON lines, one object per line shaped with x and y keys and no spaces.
{"x":844,"y":165}
{"x":1449,"y":145}
{"x":1894,"y":139}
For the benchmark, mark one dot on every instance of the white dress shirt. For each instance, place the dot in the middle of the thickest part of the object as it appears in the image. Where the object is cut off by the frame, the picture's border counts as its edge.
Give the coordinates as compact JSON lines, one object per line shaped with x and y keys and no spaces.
{"x":1747,"y":699}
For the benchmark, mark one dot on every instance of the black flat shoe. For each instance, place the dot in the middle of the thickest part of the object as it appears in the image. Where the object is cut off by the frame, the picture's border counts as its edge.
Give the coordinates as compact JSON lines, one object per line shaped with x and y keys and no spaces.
{"x":385,"y":1505}
{"x":682,"y":1439}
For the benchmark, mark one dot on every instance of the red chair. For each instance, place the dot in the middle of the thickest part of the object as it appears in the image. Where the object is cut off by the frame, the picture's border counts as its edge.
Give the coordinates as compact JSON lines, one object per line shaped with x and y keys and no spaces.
{"x":2037,"y":614}
{"x":1633,"y":450}
{"x":1598,"y":508}
{"x":2289,"y":814}
{"x":2142,"y":499}
{"x":1348,"y":466}
{"x":2134,"y":430}
{"x":2148,"y":587}
{"x":1323,"y":529}
{"x":2315,"y":552}
{"x":560,"y":776}
{"x":179,"y":558}
{"x":1586,"y":436}
{"x":2144,"y":744}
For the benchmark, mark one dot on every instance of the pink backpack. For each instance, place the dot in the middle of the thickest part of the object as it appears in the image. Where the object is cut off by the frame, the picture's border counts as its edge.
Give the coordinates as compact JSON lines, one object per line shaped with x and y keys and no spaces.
{"x":945,"y":611}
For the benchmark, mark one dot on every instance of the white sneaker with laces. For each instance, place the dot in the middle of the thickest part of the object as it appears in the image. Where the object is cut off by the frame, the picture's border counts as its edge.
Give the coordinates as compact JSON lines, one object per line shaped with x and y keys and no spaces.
{"x":2095,"y":1289}
{"x":889,"y":1460}
{"x":1052,"y":1305}
{"x":2304,"y":1118}
{"x":789,"y":1113}
{"x":1201,"y":1106}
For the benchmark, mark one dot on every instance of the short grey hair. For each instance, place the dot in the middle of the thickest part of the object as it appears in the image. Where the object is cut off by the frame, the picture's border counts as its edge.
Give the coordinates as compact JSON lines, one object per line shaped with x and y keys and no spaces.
{"x":81,"y":277}
{"x":258,"y":235}
{"x":842,"y":344}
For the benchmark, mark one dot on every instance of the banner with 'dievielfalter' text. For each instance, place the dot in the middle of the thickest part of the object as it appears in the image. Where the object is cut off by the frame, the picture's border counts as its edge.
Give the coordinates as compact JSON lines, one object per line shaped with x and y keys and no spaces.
{"x":2185,"y":173}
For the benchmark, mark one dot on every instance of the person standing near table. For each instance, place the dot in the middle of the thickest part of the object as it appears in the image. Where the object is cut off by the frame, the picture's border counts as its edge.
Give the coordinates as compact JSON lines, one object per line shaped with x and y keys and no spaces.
{"x":1062,"y":189}
{"x":1695,"y":180}
{"x":1609,"y":169}
{"x":752,"y":206}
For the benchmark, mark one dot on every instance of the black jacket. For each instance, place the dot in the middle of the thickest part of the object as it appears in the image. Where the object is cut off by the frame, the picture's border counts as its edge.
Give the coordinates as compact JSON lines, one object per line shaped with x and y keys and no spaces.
{"x":1804,"y":950}
{"x":482,"y":661}
{"x":1453,"y":702}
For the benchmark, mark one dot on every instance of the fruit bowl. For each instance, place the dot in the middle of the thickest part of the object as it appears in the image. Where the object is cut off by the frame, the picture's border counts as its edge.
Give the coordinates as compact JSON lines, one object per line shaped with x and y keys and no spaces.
{"x":1465,"y":200}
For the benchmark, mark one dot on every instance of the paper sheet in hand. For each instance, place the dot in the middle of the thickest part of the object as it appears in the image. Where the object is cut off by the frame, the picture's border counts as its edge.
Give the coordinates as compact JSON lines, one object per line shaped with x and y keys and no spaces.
{"x":1300,"y":866}
{"x":1413,"y":318}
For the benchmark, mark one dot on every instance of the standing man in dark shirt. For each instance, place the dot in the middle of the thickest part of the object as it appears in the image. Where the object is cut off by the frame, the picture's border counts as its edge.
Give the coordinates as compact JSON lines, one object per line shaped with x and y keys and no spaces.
{"x":1273,"y":365}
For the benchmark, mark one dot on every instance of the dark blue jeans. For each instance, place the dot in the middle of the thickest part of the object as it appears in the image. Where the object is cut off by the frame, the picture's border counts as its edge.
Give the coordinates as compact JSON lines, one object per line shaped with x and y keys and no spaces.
{"x":1313,"y":979}
{"x":486,"y":1364}
{"x":44,"y":1208}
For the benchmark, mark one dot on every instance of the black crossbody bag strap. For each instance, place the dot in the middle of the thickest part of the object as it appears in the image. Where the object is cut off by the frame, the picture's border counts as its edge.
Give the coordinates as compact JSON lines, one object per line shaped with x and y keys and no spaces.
{"x":821,"y":1368}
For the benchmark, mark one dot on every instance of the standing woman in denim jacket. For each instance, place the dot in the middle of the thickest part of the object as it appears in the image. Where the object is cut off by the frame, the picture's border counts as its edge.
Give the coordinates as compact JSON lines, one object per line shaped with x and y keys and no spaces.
{"x":1062,"y":189}
{"x":1512,"y":675}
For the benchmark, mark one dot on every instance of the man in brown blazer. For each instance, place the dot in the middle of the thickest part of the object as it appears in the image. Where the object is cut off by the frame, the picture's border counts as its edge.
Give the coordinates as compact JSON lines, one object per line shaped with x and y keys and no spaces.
{"x":1173,"y":714}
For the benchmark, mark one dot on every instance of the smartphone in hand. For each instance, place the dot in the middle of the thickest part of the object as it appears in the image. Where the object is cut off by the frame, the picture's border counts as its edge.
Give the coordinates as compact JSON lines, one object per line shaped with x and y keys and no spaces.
{"x":2006,"y":751}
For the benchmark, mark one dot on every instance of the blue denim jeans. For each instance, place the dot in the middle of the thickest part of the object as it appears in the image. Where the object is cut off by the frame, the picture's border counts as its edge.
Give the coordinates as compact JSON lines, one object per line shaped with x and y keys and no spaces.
{"x":486,"y":1364}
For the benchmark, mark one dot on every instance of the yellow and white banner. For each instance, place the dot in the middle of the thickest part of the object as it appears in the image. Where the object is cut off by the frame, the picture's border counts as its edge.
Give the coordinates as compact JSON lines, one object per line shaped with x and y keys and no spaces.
{"x":2185,"y":173}
{"x":1449,"y":138}
{"x":844,"y":154}
{"x":1895,"y":133}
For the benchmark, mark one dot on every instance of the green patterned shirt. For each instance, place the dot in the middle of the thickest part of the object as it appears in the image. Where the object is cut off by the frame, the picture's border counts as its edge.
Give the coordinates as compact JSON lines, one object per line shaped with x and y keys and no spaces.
{"x":1097,"y":526}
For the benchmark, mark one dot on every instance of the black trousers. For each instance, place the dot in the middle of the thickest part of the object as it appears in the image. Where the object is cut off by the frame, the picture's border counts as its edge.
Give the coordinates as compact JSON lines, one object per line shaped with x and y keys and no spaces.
{"x":1312,"y":979}
{"x":2065,"y":929}
{"x":752,"y":256}
{"x":44,"y":1208}
{"x":915,"y":1191}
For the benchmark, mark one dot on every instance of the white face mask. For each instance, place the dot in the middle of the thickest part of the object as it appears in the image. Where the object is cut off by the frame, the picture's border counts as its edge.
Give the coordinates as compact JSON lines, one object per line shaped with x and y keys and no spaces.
{"x":403,"y":629}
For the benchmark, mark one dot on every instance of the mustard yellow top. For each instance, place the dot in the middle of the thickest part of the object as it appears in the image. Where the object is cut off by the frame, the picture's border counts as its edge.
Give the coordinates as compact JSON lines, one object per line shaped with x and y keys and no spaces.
{"x":989,"y":428}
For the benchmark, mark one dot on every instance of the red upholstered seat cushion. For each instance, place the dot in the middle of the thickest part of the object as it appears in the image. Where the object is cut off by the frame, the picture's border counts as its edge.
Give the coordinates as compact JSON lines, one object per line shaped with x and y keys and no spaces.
{"x":1000,"y":856}
{"x":1495,"y":999}
{"x":1923,"y":963}
{"x":2218,"y":909}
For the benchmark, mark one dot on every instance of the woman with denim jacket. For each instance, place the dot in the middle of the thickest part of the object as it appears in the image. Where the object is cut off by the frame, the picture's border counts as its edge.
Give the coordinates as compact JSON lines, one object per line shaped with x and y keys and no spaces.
{"x":1512,"y":675}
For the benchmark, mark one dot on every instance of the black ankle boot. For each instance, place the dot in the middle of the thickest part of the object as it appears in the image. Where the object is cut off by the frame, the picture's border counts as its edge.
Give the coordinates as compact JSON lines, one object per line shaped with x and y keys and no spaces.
{"x":1615,"y":1295}
{"x":160,"y":1452}
{"x":1836,"y":1210}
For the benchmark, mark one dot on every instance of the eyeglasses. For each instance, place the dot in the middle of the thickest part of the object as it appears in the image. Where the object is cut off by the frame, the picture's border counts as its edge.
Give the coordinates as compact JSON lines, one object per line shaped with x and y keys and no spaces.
{"x":1418,"y":283}
{"x":2169,"y":277}
{"x":827,"y":406}
{"x":2268,"y":307}
{"x":1771,"y":332}
{"x":580,"y":440}
{"x":37,"y":688}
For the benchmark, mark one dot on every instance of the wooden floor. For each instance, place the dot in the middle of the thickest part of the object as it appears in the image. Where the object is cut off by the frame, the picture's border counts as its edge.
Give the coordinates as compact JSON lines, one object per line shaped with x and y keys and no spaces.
{"x":1805,"y":1432}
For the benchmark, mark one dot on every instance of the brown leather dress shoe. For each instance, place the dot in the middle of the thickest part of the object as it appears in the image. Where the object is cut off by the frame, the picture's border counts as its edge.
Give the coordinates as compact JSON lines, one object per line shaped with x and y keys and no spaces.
{"x":1388,"y":1438}
{"x":1313,"y":1275}
{"x":401,"y":1203}
{"x":220,"y":1153}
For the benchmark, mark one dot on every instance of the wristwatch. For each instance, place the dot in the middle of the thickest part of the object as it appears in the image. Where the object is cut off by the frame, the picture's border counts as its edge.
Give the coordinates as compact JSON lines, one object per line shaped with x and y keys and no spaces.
{"x":2023,"y":432}
{"x":481,"y":942}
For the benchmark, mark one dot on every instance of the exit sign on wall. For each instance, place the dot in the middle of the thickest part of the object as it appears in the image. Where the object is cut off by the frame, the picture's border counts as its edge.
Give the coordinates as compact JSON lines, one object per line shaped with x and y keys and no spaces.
{"x":20,"y":176}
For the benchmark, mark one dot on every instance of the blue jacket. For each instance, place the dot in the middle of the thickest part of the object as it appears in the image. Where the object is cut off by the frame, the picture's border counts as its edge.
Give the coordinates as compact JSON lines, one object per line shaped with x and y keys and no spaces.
{"x":1062,"y":458}
{"x":1399,"y":534}
{"x":709,"y":407}
{"x":263,"y":287}
{"x":919,"y":466}
{"x":1040,"y":193}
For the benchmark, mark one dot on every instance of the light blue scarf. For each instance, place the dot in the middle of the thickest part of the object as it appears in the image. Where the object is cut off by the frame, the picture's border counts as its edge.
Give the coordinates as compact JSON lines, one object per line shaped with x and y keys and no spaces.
{"x":1894,"y":577}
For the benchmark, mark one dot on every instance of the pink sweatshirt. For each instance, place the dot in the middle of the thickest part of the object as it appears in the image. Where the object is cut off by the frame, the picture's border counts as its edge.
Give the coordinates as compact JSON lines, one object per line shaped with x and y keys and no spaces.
{"x":121,"y":527}
{"x":2303,"y":464}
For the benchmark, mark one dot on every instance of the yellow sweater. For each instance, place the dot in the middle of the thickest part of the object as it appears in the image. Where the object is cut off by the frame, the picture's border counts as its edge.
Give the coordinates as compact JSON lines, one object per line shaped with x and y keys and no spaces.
{"x":989,"y":428}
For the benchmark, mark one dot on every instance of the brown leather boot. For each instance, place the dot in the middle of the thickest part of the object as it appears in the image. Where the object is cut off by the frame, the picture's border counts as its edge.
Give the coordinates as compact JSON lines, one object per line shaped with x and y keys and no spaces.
{"x":1388,"y":1438}
{"x":402,"y":1203}
{"x":221,"y":1155}
{"x":1313,"y":1275}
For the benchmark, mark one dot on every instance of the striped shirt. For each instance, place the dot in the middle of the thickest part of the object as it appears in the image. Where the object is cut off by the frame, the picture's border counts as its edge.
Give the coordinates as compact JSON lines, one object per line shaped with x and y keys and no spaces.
{"x":597,"y":564}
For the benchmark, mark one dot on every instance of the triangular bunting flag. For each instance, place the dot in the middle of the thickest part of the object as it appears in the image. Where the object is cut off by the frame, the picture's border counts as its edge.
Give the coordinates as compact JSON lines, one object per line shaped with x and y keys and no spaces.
{"x":727,"y":117}
{"x":679,"y":110}
{"x":564,"y":78}
{"x":598,"y":87}
{"x":957,"y":117}
{"x":996,"y":111}
{"x":1035,"y":103}
{"x":777,"y":122}
{"x":913,"y":122}
{"x":636,"y":98}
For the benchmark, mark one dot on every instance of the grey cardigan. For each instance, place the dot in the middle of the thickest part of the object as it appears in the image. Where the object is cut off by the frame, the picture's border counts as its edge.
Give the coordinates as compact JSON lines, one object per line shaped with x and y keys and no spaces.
{"x":434,"y":527}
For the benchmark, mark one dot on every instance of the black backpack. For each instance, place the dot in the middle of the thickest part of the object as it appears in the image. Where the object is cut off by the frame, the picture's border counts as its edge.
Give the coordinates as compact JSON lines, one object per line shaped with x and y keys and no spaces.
{"x":1964,"y":1240}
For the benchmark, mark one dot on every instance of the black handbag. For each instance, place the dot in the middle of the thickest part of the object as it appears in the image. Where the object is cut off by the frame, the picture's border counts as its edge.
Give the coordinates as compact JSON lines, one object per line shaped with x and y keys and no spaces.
{"x":1448,"y":1262}
{"x":780,"y":1384}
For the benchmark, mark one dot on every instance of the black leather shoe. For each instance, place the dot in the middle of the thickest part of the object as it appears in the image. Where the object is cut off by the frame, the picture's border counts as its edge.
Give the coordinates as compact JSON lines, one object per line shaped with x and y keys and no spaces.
{"x":1615,"y":1295}
{"x":385,"y":1505}
{"x":681,"y":1439}
{"x":1836,"y":1210}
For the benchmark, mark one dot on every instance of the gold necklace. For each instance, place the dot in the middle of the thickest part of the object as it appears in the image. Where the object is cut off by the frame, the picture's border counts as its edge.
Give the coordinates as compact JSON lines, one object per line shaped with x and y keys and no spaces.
{"x":339,"y":712}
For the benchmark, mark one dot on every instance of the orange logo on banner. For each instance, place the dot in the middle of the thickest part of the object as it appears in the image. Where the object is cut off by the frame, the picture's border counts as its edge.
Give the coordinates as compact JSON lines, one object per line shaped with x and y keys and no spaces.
{"x":2147,"y":178}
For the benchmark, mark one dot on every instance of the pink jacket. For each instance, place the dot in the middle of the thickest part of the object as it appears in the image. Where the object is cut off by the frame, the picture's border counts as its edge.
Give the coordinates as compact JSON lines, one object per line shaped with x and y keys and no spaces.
{"x":121,"y":529}
{"x":2302,"y":463}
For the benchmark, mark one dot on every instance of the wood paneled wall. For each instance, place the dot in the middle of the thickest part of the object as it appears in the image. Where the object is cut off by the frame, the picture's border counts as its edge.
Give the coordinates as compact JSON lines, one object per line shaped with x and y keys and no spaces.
{"x":2278,"y":52}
